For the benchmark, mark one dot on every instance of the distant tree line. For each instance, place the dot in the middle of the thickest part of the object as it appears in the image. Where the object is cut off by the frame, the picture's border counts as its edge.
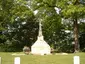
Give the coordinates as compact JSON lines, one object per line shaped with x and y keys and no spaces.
{"x":63,"y":24}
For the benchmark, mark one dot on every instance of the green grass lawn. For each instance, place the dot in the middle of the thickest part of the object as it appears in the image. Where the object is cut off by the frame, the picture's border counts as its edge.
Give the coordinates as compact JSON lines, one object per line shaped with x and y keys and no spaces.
{"x":8,"y":58}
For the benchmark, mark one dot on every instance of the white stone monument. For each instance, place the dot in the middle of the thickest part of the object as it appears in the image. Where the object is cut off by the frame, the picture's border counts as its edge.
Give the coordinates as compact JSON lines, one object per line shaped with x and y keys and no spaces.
{"x":17,"y":60}
{"x":40,"y":46}
{"x":76,"y":60}
{"x":0,"y":60}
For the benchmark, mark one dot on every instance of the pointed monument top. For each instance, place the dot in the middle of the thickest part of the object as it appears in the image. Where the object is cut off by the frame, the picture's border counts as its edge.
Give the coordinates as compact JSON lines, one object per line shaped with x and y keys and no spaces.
{"x":40,"y":29}
{"x":40,"y":35}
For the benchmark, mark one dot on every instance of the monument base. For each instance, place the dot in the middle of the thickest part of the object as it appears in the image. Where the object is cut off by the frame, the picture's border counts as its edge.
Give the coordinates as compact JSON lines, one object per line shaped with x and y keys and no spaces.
{"x":40,"y":47}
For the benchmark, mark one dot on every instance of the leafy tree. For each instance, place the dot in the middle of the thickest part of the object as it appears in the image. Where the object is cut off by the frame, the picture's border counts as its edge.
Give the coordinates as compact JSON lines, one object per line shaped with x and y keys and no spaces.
{"x":19,"y":25}
{"x":5,"y":7}
{"x":74,"y":10}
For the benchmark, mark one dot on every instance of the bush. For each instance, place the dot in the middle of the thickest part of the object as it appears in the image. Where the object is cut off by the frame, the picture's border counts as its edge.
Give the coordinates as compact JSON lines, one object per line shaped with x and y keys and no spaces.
{"x":9,"y":48}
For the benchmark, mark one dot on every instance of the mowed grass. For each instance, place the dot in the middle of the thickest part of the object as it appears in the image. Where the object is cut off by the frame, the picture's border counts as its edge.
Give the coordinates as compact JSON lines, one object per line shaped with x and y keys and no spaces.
{"x":8,"y":58}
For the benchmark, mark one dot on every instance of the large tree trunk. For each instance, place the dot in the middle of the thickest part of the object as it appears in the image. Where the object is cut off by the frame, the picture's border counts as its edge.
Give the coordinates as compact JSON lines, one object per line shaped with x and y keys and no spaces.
{"x":76,"y":47}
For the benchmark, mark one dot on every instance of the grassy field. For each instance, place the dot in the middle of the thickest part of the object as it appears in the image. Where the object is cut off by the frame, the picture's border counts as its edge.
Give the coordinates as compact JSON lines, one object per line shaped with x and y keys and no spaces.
{"x":8,"y":58}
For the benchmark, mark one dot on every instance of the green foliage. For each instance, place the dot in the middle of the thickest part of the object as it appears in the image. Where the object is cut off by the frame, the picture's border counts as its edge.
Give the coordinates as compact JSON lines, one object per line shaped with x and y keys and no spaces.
{"x":73,"y":10}
{"x":19,"y":26}
{"x":82,"y":36}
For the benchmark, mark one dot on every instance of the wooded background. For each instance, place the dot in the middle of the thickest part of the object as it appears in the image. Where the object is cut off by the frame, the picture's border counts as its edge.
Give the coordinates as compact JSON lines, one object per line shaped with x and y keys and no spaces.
{"x":63,"y":24}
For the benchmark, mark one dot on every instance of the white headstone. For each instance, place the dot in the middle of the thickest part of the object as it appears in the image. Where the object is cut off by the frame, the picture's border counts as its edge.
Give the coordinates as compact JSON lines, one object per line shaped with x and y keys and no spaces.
{"x":0,"y":60}
{"x":76,"y":60}
{"x":17,"y":60}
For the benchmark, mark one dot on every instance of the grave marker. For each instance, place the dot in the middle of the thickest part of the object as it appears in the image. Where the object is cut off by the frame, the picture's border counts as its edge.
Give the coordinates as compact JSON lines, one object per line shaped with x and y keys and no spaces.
{"x":17,"y":60}
{"x":0,"y":60}
{"x":76,"y":60}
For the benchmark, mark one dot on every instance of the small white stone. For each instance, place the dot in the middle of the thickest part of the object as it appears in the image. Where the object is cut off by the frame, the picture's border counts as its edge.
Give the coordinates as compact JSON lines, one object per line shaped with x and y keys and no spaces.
{"x":0,"y":60}
{"x":17,"y":60}
{"x":76,"y":60}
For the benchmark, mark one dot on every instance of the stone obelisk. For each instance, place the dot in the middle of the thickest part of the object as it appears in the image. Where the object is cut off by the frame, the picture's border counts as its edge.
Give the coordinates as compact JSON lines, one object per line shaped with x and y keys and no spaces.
{"x":40,"y":46}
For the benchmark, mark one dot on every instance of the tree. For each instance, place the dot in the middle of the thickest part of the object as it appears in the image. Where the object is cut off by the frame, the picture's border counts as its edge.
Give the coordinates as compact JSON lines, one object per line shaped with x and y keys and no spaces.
{"x":18,"y":22}
{"x":5,"y":7}
{"x":73,"y":10}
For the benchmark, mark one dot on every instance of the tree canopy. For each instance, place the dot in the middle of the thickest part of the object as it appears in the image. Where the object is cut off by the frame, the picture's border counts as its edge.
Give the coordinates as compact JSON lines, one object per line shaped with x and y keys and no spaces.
{"x":62,"y":24}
